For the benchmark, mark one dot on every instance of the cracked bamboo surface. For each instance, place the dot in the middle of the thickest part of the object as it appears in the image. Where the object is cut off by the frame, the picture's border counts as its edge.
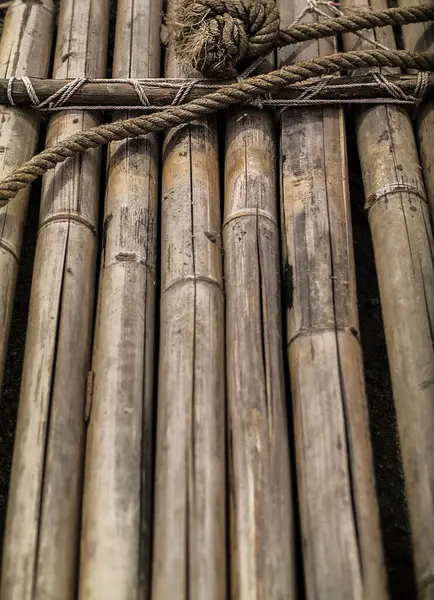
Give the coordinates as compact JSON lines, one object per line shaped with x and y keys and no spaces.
{"x":419,"y":37}
{"x":42,"y":530}
{"x":189,"y":561}
{"x":116,"y":531}
{"x":403,"y":245}
{"x":24,"y":50}
{"x":262,"y":552}
{"x":342,"y":547}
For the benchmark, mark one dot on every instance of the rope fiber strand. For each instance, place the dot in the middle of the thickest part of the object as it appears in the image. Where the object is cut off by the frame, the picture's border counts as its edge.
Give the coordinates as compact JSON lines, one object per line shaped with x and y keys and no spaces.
{"x":151,"y":95}
{"x":231,"y":30}
{"x":229,"y":95}
{"x":213,"y":36}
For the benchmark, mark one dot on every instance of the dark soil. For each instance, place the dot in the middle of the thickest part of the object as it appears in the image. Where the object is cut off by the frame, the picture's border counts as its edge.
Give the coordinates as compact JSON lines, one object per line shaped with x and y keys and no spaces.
{"x":387,"y":456}
{"x":11,"y":385}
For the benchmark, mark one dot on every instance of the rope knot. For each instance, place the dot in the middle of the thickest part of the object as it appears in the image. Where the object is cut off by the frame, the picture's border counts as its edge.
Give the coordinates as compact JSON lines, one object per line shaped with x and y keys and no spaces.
{"x":214,"y":35}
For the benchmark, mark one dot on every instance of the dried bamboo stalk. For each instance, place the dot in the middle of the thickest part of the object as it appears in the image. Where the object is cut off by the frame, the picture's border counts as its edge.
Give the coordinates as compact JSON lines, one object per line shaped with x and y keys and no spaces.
{"x":24,"y":49}
{"x":403,"y":246}
{"x":262,"y":539}
{"x":41,"y":541}
{"x":420,"y":38}
{"x":342,"y":547}
{"x":115,"y":558}
{"x":190,"y":500}
{"x":119,"y":94}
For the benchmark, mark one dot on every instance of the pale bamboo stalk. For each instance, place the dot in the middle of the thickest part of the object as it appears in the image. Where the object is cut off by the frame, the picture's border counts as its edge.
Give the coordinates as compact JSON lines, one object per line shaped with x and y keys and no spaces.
{"x":42,"y":531}
{"x":115,"y":558}
{"x":342,"y":547}
{"x":190,"y":501}
{"x":262,"y":538}
{"x":24,"y":49}
{"x":403,"y":245}
{"x":420,"y":38}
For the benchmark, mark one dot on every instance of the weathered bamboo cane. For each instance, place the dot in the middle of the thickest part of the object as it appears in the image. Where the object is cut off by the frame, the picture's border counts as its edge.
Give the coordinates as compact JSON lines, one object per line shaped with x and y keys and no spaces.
{"x":420,"y":38}
{"x":189,"y":559}
{"x":25,"y":48}
{"x":262,"y":538}
{"x":42,"y":530}
{"x":116,"y":535}
{"x":403,"y":245}
{"x":342,"y":547}
{"x":118,"y":94}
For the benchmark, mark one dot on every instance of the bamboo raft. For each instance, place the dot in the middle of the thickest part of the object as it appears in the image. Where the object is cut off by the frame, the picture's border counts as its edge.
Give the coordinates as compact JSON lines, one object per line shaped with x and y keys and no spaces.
{"x":193,"y":420}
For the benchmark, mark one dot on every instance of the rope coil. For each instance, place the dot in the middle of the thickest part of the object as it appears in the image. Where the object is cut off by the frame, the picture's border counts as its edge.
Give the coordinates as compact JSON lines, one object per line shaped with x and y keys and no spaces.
{"x":214,"y":36}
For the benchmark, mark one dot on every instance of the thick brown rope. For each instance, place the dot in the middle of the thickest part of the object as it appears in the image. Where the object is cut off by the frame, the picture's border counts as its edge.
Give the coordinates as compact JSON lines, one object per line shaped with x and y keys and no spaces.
{"x":236,"y":93}
{"x":213,"y":36}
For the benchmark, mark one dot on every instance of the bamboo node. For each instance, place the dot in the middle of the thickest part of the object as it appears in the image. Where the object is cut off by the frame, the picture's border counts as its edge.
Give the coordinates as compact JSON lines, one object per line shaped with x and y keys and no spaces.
{"x":224,"y":97}
{"x":262,"y":26}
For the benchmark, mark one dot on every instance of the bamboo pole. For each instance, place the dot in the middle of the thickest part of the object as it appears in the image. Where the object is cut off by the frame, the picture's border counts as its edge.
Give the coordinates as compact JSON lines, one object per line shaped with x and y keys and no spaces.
{"x":117,"y":94}
{"x":42,"y":530}
{"x":420,"y":38}
{"x":262,"y":539}
{"x":25,"y":48}
{"x":115,"y":557}
{"x":190,"y":501}
{"x":342,"y":547}
{"x":403,"y":245}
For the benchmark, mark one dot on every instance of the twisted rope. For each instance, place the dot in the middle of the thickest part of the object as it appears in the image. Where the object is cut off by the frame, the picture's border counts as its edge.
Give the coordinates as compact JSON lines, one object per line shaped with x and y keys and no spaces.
{"x":312,"y":94}
{"x":236,"y":93}
{"x":213,"y":36}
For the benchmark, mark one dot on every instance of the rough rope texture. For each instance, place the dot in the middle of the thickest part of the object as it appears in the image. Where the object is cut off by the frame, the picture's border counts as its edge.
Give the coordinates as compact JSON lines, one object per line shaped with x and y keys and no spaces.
{"x":57,"y":100}
{"x":314,"y":94}
{"x":237,"y":93}
{"x":213,"y":36}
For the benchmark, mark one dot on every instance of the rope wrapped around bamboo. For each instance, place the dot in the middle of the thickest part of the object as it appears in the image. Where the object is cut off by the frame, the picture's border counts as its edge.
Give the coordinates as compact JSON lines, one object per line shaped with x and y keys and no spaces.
{"x":151,"y":95}
{"x":243,"y":91}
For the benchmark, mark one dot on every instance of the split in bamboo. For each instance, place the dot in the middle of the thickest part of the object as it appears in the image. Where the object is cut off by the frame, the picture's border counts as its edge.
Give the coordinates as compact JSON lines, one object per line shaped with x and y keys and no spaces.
{"x":116,"y":531}
{"x":25,"y":48}
{"x":342,"y":547}
{"x":42,"y":532}
{"x":403,"y":245}
{"x":262,"y":550}
{"x":124,"y":94}
{"x":419,"y":37}
{"x":189,"y":561}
